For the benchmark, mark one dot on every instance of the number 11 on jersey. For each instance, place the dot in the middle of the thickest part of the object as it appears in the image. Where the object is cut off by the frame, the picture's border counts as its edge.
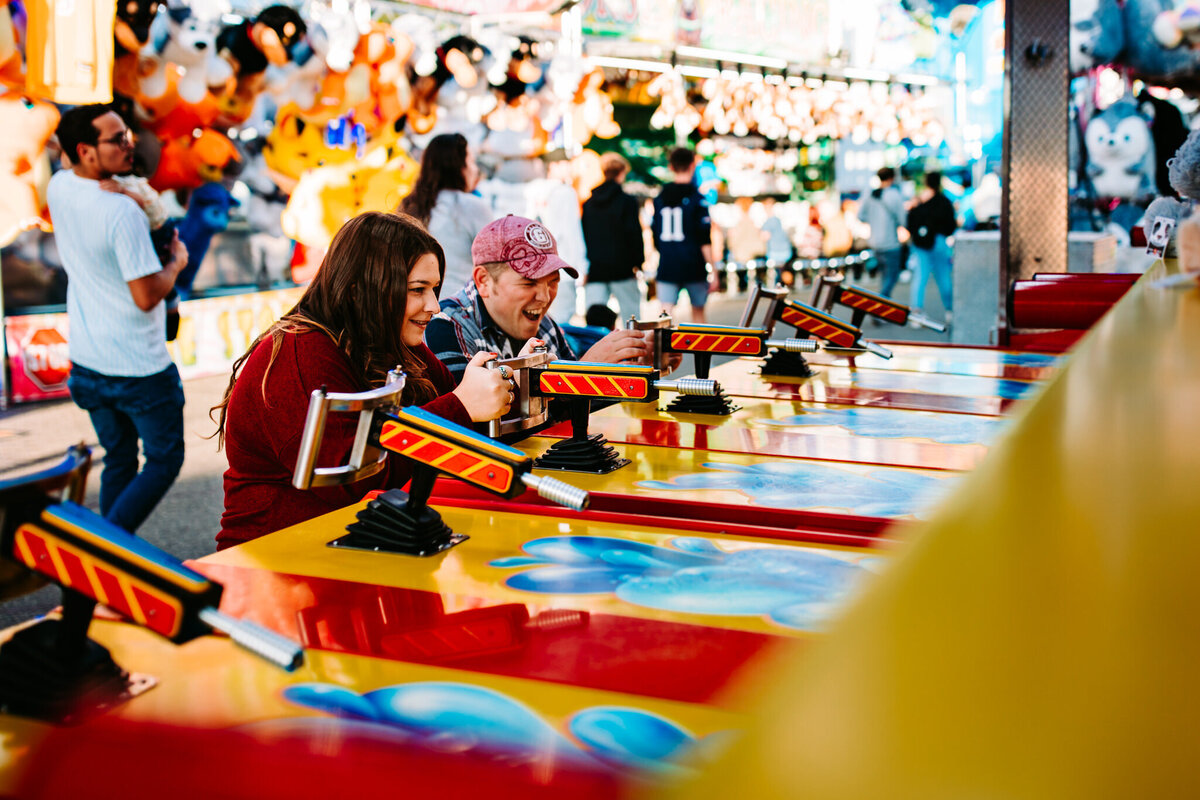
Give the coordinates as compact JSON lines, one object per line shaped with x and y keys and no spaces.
{"x":672,"y":224}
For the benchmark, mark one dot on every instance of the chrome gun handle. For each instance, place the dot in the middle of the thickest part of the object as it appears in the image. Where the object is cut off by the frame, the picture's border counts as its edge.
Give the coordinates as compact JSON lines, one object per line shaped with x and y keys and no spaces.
{"x":795,"y":345}
{"x":701,"y":387}
{"x":310,"y":440}
{"x":307,"y":474}
{"x":659,"y":325}
{"x":263,"y":642}
{"x":557,"y":491}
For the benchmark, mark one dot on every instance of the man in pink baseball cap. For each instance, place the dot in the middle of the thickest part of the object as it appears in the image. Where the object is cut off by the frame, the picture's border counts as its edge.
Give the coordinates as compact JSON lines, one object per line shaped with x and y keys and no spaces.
{"x":507,"y":302}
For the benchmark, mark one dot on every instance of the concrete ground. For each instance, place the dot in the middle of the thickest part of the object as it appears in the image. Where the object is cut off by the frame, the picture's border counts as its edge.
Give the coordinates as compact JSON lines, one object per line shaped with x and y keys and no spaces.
{"x":35,"y":436}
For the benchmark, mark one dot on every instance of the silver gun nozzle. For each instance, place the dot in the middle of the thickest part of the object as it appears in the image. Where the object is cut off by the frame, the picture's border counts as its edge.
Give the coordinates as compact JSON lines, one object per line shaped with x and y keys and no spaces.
{"x":263,"y":642}
{"x":702,"y":387}
{"x":557,"y":491}
{"x":795,"y":345}
{"x":877,"y":349}
{"x":926,"y":322}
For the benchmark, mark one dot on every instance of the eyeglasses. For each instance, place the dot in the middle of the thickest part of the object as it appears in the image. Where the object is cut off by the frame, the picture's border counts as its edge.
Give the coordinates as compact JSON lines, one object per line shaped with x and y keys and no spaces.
{"x":122,"y":140}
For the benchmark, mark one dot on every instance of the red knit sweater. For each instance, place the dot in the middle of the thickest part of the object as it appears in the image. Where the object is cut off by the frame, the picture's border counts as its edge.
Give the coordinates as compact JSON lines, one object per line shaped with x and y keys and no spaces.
{"x":262,"y":439}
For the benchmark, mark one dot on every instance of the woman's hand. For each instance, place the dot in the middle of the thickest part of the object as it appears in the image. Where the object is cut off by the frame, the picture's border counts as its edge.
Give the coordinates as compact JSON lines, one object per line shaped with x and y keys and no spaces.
{"x":483,"y":392}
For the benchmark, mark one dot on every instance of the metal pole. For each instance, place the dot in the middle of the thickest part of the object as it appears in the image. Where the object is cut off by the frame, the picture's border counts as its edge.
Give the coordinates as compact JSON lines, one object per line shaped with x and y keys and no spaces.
{"x":1033,"y":226}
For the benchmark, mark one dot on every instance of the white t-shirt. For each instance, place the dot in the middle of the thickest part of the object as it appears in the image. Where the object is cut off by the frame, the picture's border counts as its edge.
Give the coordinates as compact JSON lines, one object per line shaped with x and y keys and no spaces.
{"x":103,"y":240}
{"x":454,"y":221}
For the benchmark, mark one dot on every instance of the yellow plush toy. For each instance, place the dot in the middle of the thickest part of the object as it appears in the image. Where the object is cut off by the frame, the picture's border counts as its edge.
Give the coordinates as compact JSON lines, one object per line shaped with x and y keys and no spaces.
{"x":24,"y":165}
{"x":294,"y":146}
{"x":326,"y":197}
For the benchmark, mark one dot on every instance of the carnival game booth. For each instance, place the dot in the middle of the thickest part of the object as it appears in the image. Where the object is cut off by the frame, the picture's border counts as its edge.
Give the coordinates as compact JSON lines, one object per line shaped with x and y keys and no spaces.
{"x":600,"y":653}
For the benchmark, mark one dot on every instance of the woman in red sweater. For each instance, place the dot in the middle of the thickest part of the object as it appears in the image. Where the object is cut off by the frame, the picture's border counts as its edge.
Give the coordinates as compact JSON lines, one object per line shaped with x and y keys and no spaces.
{"x":364,"y":313}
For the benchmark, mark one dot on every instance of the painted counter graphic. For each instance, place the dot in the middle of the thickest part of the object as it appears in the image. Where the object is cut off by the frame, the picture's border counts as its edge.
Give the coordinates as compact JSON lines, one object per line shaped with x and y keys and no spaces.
{"x":458,"y":717}
{"x":880,"y":388}
{"x":966,"y":361}
{"x":794,"y":587}
{"x":933,"y":383}
{"x":888,"y":423}
{"x":880,"y":492}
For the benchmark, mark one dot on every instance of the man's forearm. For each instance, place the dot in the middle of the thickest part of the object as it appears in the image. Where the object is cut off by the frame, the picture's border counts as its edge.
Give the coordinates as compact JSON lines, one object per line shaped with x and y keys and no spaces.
{"x":149,"y":291}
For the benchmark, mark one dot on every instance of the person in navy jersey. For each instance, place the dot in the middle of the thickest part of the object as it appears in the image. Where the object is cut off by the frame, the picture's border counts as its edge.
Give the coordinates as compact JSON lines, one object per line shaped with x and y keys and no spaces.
{"x":121,"y":372}
{"x":364,"y":314}
{"x":683,"y":237}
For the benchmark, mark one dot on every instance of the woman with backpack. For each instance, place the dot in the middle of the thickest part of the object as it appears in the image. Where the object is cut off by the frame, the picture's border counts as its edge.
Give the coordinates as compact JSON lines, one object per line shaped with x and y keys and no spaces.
{"x":929,"y":224}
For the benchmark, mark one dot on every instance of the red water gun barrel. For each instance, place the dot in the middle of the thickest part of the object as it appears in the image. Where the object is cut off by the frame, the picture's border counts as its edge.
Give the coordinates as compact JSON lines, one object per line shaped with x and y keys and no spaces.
{"x":1066,"y":301}
{"x":1127,"y":278}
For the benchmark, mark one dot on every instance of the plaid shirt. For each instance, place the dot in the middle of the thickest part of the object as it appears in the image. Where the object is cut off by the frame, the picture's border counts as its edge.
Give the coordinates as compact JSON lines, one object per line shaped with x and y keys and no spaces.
{"x":464,"y":328}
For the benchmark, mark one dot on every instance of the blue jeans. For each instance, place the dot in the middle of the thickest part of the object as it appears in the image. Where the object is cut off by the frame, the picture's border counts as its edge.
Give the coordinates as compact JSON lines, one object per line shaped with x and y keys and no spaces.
{"x":936,"y":262}
{"x":890,"y":267}
{"x":124,"y":410}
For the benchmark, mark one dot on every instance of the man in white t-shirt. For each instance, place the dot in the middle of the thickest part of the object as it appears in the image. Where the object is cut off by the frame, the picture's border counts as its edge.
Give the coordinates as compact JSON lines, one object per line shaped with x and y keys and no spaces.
{"x":121,"y":372}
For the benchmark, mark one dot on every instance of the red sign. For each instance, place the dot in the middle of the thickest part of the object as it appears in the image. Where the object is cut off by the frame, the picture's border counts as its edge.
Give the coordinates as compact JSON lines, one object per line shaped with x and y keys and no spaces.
{"x":37,"y":356}
{"x":47,"y":361}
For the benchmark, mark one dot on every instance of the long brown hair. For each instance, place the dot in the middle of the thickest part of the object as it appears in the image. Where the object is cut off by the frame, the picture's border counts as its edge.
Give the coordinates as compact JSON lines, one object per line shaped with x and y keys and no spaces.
{"x":442,"y":166}
{"x":358,"y":299}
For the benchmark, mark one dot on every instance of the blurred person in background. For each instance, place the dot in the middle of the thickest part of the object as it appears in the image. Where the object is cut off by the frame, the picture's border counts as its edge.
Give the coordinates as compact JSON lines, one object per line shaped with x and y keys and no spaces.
{"x":442,"y":200}
{"x":779,"y":249}
{"x":682,"y":232}
{"x":745,"y":241}
{"x":883,"y":210}
{"x":612,"y":233}
{"x":930,"y":222}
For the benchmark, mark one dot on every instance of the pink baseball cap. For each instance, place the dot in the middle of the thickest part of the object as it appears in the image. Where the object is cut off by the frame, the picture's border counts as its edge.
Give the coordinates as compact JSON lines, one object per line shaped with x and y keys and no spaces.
{"x":524,"y":244}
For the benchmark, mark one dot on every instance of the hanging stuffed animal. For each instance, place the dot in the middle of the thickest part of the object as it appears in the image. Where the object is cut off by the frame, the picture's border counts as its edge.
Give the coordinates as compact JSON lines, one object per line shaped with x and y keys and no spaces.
{"x":294,"y":147}
{"x":130,"y":35}
{"x":207,"y":215}
{"x":1097,"y":34}
{"x":458,"y":59}
{"x":24,"y":165}
{"x":326,"y":197}
{"x":185,"y":37}
{"x":1120,"y":152}
{"x":12,"y":66}
{"x":1164,"y":215}
{"x":249,"y":47}
{"x":1179,"y":25}
{"x":189,"y":161}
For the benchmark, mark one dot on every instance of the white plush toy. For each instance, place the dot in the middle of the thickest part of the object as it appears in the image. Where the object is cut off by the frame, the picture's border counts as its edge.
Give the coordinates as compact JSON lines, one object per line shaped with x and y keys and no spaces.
{"x":1120,"y":152}
{"x":186,"y":37}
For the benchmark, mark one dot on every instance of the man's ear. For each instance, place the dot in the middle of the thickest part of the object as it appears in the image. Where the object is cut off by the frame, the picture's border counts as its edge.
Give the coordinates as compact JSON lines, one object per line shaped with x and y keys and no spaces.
{"x":483,"y":282}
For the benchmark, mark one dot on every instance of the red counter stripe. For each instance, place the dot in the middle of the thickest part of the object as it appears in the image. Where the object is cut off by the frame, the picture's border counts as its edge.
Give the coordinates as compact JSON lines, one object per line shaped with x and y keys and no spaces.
{"x":606,"y":652}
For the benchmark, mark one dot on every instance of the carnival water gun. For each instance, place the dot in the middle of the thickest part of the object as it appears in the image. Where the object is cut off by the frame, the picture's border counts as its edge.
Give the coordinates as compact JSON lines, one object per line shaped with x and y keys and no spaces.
{"x":812,"y":322}
{"x":705,"y":341}
{"x":402,"y":522}
{"x":51,"y":670}
{"x":539,"y":378}
{"x":831,"y":290}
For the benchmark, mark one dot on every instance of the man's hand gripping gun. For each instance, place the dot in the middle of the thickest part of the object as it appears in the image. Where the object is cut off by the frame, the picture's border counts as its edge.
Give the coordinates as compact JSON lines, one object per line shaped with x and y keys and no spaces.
{"x":539,"y":378}
{"x":705,"y":341}
{"x":401,"y":522}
